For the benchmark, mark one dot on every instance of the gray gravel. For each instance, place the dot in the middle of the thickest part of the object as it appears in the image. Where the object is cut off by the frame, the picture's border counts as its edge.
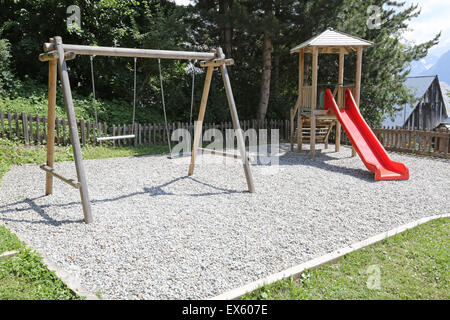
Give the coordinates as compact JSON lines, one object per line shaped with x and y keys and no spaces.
{"x":159,"y":234}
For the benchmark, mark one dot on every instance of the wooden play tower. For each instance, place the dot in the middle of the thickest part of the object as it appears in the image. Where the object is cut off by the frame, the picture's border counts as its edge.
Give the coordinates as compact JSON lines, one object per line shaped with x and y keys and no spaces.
{"x":315,"y":124}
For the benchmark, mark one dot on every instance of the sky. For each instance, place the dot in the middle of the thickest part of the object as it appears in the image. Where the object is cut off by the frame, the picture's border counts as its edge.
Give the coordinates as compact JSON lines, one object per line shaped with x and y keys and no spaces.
{"x":434,"y":17}
{"x":183,"y":2}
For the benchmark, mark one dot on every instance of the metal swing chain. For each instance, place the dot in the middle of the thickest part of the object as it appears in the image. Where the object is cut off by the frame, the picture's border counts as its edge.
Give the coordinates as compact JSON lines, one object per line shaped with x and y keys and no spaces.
{"x":93,"y":93}
{"x":192,"y":92}
{"x":134,"y":99}
{"x":164,"y":105}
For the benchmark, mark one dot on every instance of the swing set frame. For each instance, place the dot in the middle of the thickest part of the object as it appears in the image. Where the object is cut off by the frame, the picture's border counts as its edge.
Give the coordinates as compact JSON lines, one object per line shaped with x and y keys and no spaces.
{"x":57,"y":53}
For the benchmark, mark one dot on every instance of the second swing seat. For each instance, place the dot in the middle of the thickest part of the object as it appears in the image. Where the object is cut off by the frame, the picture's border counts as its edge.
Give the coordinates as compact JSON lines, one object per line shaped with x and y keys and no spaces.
{"x":129,"y":136}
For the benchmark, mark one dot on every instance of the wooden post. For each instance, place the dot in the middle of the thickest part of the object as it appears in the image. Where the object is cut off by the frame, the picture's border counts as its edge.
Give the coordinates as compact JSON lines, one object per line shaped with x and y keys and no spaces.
{"x":25,"y":127}
{"x":300,"y":97}
{"x":201,"y":116}
{"x":358,"y":82}
{"x":312,"y":141}
{"x":73,"y":130}
{"x":291,"y":127}
{"x":235,"y":120}
{"x":340,"y":98}
{"x":52,"y":78}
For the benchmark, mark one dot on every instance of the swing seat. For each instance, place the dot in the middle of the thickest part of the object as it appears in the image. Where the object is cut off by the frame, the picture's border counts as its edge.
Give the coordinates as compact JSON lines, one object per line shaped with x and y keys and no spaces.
{"x":129,"y":136}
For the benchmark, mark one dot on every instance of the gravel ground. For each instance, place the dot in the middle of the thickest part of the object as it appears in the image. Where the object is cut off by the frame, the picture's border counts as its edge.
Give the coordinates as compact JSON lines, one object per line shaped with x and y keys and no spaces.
{"x":159,"y":234}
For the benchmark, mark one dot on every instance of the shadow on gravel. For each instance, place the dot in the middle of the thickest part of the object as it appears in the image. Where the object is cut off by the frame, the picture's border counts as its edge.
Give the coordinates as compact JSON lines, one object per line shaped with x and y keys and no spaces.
{"x":322,"y":161}
{"x":151,"y":191}
{"x":36,"y":208}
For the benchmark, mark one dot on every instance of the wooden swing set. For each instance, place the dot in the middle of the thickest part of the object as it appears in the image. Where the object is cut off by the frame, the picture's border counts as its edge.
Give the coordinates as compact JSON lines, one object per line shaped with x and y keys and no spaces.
{"x":57,"y":53}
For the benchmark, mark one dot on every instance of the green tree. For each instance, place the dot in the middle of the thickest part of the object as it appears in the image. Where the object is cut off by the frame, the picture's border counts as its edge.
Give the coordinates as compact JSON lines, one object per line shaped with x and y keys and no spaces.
{"x":386,"y":63}
{"x":6,"y":74}
{"x":262,"y":32}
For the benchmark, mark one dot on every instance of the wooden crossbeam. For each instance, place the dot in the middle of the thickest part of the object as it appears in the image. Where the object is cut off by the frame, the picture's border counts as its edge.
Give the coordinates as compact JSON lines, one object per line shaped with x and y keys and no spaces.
{"x":53,"y":55}
{"x":216,"y":63}
{"x":70,"y":182}
{"x":132,"y":52}
{"x":222,"y":153}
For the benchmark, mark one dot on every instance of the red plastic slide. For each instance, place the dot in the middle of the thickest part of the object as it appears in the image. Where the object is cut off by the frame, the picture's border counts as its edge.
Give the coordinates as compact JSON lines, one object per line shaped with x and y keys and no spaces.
{"x":370,"y":150}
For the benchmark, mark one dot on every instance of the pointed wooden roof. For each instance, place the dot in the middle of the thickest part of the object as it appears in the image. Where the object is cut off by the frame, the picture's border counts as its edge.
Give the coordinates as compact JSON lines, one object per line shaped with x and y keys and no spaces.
{"x":331,"y":41}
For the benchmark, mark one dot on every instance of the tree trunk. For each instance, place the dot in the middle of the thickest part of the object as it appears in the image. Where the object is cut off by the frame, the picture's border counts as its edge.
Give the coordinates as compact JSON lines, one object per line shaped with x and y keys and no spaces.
{"x":227,"y":29}
{"x":276,"y":72}
{"x":266,"y":74}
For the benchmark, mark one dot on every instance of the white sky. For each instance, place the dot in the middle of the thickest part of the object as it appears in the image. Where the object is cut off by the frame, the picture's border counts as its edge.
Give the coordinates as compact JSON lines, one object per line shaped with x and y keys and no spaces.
{"x":434,"y":17}
{"x":183,"y":2}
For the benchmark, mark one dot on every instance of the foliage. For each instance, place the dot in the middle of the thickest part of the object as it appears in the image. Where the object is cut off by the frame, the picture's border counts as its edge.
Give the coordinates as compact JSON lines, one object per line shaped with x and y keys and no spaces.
{"x":6,"y":74}
{"x":413,"y":265}
{"x":384,"y":65}
{"x":31,"y":97}
{"x":238,"y":26}
{"x":142,"y":24}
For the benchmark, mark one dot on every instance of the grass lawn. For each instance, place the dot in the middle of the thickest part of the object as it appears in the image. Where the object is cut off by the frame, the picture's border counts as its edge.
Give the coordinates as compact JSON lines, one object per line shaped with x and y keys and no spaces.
{"x":24,"y":276}
{"x":411,"y":265}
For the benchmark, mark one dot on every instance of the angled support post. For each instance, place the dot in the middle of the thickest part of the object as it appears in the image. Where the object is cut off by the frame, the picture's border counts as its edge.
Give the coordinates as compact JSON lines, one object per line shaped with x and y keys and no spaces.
{"x":201,"y":116}
{"x":73,"y":131}
{"x":222,"y":63}
{"x":236,"y":125}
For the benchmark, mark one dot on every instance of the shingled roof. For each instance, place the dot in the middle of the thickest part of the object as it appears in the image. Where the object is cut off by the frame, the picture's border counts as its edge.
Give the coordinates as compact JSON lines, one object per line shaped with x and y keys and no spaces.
{"x":333,"y":38}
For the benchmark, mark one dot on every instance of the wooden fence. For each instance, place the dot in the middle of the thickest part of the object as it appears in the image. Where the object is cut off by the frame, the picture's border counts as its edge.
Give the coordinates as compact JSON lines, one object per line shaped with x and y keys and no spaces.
{"x":434,"y":143}
{"x":32,"y":130}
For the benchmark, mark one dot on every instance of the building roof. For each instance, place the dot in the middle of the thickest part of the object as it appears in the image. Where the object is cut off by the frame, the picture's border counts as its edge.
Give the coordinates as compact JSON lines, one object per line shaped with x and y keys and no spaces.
{"x":333,"y":38}
{"x":418,"y":85}
{"x":445,"y":89}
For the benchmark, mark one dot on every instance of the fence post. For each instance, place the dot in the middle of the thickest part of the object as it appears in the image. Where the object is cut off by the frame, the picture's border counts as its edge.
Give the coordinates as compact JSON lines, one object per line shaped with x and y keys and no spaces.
{"x":31,"y":135}
{"x":83,"y":129}
{"x":38,"y":133}
{"x":25,"y":127}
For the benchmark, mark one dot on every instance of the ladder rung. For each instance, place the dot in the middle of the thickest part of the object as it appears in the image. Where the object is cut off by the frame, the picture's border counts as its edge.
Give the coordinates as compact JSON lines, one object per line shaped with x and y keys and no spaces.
{"x":70,"y":182}
{"x":130,"y":136}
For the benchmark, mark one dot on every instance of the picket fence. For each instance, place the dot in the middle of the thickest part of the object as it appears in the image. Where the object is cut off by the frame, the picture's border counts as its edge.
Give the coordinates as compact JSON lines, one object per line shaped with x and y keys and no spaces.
{"x":31,"y":130}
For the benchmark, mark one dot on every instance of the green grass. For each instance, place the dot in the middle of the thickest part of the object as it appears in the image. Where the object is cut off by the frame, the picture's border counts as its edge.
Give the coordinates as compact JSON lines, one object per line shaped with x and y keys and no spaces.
{"x":16,"y":153}
{"x":24,"y":276}
{"x":412,"y":265}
